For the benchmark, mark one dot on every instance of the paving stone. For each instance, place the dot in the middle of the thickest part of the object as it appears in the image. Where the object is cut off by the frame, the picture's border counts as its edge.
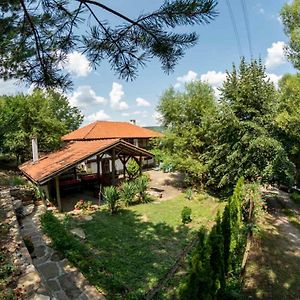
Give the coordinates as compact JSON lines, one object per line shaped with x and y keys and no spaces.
{"x":56,"y":257}
{"x":27,"y":210}
{"x":61,"y":295}
{"x":53,"y":285}
{"x":83,"y":297}
{"x":49,"y":270}
{"x":40,"y":251}
{"x":39,"y":297}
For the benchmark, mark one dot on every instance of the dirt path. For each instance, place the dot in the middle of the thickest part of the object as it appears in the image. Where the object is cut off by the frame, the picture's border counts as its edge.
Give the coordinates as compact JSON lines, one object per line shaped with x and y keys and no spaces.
{"x":273,"y":270}
{"x":165,"y":185}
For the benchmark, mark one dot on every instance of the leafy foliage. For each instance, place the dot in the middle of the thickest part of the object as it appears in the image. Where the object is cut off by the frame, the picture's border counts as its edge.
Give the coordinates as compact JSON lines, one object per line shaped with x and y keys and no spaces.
{"x":133,"y":168}
{"x":112,"y":197}
{"x":128,"y":192}
{"x":186,"y":116}
{"x":38,"y":35}
{"x":215,"y":143}
{"x":291,"y":23}
{"x":186,"y":215}
{"x":46,"y":115}
{"x":216,"y":262}
{"x":142,"y":184}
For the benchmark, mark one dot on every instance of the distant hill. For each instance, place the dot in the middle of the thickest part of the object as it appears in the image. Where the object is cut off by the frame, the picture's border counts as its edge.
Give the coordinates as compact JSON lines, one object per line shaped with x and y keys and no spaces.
{"x":156,"y":128}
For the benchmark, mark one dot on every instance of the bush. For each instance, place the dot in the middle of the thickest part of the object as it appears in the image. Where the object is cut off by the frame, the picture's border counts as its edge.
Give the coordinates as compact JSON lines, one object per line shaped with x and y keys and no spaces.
{"x":186,"y":215}
{"x":112,"y":197}
{"x":142,"y":184}
{"x":84,"y":205}
{"x":189,"y":193}
{"x":128,"y":191}
{"x":296,"y":197}
{"x":132,"y":168}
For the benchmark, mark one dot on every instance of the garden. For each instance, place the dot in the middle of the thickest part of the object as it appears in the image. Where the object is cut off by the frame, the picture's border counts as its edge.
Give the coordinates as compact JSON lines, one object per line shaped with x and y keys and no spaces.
{"x":128,"y":248}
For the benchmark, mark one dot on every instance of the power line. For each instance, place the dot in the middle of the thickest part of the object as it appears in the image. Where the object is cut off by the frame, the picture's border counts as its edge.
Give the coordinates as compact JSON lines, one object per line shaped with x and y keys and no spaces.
{"x":247,"y":26}
{"x":234,"y":28}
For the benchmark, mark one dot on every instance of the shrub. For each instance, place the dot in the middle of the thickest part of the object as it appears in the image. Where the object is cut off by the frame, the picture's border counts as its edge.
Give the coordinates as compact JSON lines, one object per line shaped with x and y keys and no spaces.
{"x":127,"y":192}
{"x":296,"y":197}
{"x":112,"y":197}
{"x":142,"y":184}
{"x":84,"y":205}
{"x":186,"y":215}
{"x":132,"y":168}
{"x":189,"y":193}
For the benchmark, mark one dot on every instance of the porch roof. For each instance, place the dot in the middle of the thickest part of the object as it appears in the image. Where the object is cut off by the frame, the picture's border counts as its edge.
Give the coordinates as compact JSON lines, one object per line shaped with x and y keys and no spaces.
{"x":73,"y":153}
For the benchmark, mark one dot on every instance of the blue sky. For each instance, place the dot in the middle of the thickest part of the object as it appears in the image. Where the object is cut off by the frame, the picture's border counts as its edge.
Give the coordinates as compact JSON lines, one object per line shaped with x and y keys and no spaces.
{"x":102,"y":95}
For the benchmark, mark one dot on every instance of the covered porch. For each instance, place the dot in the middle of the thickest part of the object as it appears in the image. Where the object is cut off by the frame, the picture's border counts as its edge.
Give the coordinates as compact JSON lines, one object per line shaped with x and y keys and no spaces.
{"x":83,"y":168}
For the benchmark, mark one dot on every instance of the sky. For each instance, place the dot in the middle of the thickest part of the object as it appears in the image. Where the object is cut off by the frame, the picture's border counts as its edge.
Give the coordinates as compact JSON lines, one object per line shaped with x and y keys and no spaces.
{"x":102,"y":95}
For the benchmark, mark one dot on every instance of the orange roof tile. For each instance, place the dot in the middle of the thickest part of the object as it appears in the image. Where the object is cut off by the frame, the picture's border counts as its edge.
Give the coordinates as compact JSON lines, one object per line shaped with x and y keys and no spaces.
{"x":71,"y":154}
{"x":110,"y":130}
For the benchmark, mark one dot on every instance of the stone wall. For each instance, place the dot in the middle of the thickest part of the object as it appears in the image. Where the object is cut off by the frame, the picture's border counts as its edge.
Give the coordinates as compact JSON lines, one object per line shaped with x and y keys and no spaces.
{"x":29,"y":284}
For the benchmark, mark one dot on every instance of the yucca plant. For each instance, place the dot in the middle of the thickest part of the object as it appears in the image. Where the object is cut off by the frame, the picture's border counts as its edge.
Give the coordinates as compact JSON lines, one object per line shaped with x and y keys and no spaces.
{"x":142,"y":184}
{"x":112,"y":197}
{"x":127,"y":192}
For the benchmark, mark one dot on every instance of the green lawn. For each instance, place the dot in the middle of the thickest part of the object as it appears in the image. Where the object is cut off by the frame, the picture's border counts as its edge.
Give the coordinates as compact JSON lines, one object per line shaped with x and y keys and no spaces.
{"x":137,"y":246}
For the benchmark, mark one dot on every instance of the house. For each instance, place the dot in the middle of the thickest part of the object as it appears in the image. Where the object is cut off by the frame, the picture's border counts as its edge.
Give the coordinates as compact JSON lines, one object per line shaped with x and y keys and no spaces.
{"x":92,"y":156}
{"x":100,"y":130}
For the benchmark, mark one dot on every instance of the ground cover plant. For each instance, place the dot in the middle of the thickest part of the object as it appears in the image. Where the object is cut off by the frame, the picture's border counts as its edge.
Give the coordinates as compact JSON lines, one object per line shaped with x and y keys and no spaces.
{"x":127,"y":253}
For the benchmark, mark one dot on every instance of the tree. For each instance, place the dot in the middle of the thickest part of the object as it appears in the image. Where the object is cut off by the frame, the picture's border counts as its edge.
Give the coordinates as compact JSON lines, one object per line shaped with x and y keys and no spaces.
{"x":186,"y":116}
{"x":242,"y":138}
{"x":46,"y":115}
{"x":291,"y":22}
{"x":36,"y":37}
{"x":287,"y":119}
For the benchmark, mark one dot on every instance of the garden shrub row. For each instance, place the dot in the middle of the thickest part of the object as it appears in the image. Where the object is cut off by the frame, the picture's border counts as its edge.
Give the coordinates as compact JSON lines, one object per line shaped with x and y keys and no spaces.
{"x":130,"y":192}
{"x":215,"y":265}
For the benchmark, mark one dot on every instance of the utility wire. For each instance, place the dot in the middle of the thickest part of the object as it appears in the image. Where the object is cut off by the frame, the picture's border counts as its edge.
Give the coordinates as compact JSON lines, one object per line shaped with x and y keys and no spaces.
{"x":245,"y":12}
{"x":234,"y":28}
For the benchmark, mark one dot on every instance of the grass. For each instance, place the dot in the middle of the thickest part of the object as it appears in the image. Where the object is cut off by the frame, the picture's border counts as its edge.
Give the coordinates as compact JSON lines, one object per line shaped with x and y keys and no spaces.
{"x":273,"y":266}
{"x":6,"y":267}
{"x":129,"y":252}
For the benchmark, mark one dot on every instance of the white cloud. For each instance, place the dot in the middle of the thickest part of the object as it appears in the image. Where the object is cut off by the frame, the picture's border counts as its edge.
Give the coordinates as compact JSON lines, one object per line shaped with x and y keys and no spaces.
{"x":100,"y":115}
{"x":274,"y":78}
{"x":275,"y":56}
{"x":142,"y":102}
{"x":116,"y":94}
{"x":215,"y":79}
{"x":8,"y":87}
{"x":84,"y":96}
{"x":189,"y":77}
{"x":77,"y":64}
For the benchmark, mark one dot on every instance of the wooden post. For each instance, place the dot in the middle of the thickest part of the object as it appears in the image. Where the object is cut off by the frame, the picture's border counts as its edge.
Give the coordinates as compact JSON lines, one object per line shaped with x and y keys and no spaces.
{"x":98,"y":167}
{"x":113,"y":166}
{"x":58,"y":194}
{"x":140,"y":164}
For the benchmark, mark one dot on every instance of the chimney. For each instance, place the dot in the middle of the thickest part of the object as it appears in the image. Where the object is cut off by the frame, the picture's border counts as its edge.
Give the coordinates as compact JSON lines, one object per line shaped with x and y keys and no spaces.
{"x":35,"y":154}
{"x":132,"y":121}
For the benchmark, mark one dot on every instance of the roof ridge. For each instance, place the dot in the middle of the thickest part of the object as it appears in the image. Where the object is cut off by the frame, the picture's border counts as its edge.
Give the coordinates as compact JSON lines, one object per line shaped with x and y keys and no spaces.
{"x":95,"y":123}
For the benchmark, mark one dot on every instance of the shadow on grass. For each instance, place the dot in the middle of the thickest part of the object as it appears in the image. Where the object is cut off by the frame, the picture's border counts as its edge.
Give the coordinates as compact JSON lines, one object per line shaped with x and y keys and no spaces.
{"x":133,"y":252}
{"x":273,"y":267}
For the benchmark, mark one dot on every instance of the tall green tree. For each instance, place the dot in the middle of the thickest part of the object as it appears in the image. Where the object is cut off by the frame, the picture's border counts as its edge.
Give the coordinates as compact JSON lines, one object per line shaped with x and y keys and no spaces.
{"x":243,"y":142}
{"x":287,"y":119}
{"x":37,"y":35}
{"x":46,"y":115}
{"x":186,"y":116}
{"x":290,"y":15}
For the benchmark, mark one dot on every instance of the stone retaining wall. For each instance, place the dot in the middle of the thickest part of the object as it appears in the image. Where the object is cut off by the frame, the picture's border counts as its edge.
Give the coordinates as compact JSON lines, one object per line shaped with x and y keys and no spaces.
{"x":29,"y":285}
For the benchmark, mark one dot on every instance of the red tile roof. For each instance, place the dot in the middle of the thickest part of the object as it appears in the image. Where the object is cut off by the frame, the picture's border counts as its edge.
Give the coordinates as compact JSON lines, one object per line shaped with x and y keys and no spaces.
{"x":71,"y":154}
{"x":110,"y":130}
